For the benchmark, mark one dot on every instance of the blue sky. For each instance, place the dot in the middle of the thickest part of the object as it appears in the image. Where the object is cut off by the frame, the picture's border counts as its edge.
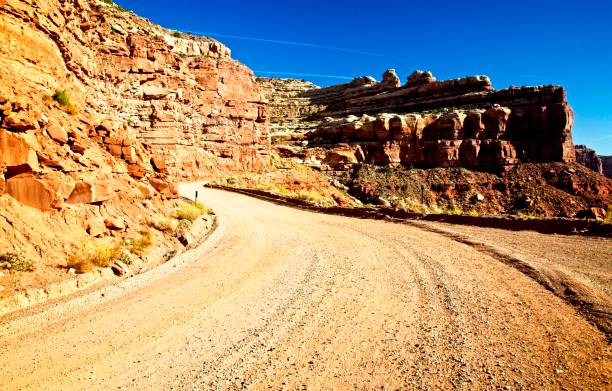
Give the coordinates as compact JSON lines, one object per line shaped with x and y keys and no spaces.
{"x":515,"y":43}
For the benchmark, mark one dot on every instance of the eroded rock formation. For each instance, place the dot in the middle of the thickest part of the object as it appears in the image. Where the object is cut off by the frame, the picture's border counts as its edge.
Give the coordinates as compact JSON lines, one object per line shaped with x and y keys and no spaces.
{"x":589,"y":158}
{"x":148,"y":106}
{"x":461,"y":122}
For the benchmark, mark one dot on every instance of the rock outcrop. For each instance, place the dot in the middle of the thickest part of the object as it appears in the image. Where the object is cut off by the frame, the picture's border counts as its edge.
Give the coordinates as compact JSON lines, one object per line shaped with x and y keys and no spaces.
{"x":289,"y":105}
{"x":429,"y":123}
{"x":589,"y":158}
{"x":141,"y":104}
{"x":607,"y":165}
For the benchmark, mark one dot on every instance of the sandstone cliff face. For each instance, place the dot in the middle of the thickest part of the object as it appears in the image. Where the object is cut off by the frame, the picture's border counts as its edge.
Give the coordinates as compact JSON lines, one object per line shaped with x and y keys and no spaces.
{"x":143,"y":108}
{"x":150,"y":107}
{"x":589,"y":158}
{"x":289,"y":104}
{"x":429,"y":123}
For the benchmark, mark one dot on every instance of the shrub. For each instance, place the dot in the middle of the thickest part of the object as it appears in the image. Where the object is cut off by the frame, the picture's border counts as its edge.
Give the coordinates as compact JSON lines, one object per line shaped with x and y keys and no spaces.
{"x":16,"y":262}
{"x":164,"y":224}
{"x":89,"y":255}
{"x":105,"y":255}
{"x":608,"y":218}
{"x":434,"y":210}
{"x":205,"y":209}
{"x":125,"y":256}
{"x":314,"y":197}
{"x":454,"y":211}
{"x":80,"y":265}
{"x":141,"y":244}
{"x":62,"y":97}
{"x":529,"y":215}
{"x":191,"y":212}
{"x":411,"y":205}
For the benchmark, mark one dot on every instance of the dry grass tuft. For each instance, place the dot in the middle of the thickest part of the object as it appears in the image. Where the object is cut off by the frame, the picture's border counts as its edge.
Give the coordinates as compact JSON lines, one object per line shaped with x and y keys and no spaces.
{"x":164,"y":224}
{"x":89,"y":256}
{"x":141,"y":244}
{"x":191,"y":212}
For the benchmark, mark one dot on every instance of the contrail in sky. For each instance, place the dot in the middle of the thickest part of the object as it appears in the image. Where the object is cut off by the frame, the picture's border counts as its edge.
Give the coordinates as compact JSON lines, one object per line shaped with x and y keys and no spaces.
{"x":303,"y":74}
{"x":291,"y":43}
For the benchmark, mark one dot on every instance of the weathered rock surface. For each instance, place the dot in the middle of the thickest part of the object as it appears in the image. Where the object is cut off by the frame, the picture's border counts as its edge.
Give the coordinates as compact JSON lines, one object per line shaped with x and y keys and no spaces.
{"x":30,"y":191}
{"x":289,"y":105}
{"x":429,"y":123}
{"x":146,"y":103}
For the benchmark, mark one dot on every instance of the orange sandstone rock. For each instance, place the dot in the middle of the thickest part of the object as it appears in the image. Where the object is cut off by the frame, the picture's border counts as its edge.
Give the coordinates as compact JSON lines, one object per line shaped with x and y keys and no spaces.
{"x":29,"y":190}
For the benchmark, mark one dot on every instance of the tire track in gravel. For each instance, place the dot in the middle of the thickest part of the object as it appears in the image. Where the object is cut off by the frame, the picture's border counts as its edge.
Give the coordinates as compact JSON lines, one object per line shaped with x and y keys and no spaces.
{"x":229,"y":363}
{"x":596,"y":307}
{"x":437,"y":309}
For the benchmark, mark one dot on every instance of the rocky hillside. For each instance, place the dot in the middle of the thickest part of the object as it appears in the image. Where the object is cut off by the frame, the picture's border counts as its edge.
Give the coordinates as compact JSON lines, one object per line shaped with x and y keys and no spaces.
{"x":133,"y":101}
{"x":101,"y":113}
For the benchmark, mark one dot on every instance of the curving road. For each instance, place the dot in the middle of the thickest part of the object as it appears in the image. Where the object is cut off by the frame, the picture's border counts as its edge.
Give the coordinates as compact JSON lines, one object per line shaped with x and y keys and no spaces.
{"x":286,"y":299}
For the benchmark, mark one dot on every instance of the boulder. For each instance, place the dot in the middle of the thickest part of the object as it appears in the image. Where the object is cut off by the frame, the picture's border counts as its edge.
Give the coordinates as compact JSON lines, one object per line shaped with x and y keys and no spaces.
{"x":341,"y":156}
{"x":159,"y":164}
{"x":16,"y":154}
{"x":147,"y":191}
{"x":2,"y":184}
{"x":78,"y":147}
{"x":57,"y":134}
{"x":60,"y":184}
{"x":91,"y":192}
{"x":120,"y":269}
{"x":166,"y":189}
{"x":31,"y":191}
{"x":21,"y":121}
{"x":137,"y":170}
{"x":115,"y":224}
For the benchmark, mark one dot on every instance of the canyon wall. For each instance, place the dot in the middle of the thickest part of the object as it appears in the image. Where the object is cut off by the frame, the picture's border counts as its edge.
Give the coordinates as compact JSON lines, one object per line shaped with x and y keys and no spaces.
{"x":143,"y":106}
{"x":425,"y":122}
{"x":589,"y":158}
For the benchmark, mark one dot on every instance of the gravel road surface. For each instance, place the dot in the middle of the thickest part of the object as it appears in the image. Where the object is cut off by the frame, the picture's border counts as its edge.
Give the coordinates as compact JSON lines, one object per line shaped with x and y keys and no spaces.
{"x":279,"y":298}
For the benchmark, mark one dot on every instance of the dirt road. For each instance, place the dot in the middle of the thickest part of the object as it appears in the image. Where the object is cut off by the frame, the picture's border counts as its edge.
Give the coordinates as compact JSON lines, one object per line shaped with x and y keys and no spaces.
{"x":285,"y":299}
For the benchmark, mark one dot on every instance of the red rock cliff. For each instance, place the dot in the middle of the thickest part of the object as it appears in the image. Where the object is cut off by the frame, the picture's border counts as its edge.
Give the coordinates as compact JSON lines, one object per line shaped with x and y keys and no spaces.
{"x":429,"y":123}
{"x":149,"y":105}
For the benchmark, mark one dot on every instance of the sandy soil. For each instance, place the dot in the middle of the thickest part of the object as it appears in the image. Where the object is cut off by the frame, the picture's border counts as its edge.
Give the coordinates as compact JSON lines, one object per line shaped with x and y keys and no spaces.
{"x":286,"y":299}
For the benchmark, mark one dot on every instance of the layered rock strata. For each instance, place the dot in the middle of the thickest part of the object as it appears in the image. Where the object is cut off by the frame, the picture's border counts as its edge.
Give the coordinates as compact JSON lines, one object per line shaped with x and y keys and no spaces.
{"x":289,"y":105}
{"x":146,"y":106}
{"x":461,"y":122}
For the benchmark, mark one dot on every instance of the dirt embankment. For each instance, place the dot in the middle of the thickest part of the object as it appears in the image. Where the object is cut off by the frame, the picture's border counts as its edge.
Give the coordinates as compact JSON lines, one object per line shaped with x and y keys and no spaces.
{"x":532,"y":190}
